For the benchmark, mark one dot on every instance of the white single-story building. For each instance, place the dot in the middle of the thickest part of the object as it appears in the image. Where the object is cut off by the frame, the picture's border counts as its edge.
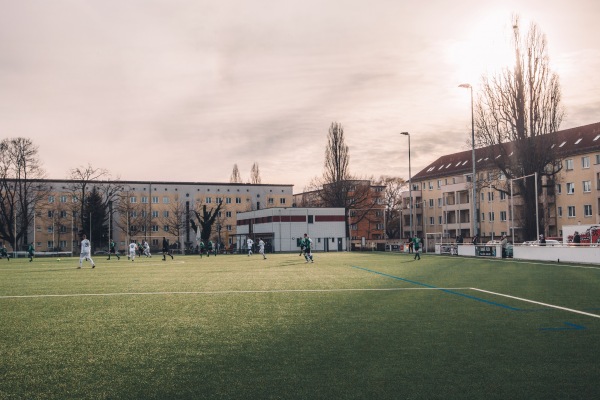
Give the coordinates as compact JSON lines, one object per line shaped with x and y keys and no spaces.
{"x":282,"y":228}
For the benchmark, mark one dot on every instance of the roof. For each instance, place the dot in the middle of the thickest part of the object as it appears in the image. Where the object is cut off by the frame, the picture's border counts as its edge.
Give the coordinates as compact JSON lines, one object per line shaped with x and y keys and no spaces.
{"x":568,"y":142}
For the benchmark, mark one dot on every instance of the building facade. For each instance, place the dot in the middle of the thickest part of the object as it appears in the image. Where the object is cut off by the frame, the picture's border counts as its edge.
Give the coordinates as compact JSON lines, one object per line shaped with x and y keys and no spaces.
{"x":146,"y":210}
{"x":442,"y":192}
{"x":282,"y":228}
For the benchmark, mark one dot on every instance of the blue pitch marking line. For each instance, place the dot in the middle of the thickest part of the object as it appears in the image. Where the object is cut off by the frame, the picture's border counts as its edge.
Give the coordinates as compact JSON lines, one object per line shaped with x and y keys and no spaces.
{"x":570,"y":327}
{"x":443,"y":290}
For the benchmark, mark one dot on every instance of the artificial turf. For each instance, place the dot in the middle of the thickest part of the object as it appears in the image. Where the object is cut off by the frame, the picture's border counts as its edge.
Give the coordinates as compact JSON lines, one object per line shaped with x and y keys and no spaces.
{"x":349,"y":326}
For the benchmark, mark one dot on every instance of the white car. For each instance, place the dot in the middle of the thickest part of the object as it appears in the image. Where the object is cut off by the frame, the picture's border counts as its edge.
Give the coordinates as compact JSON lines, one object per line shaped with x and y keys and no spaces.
{"x":549,"y":242}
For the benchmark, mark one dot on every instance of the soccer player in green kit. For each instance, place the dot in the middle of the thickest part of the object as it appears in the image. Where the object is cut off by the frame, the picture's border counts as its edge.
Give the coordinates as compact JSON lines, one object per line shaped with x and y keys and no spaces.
{"x":307,"y":248}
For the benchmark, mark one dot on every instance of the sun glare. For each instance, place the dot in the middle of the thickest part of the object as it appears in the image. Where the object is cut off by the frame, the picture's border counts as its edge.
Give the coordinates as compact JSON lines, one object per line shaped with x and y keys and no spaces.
{"x":485,"y":49}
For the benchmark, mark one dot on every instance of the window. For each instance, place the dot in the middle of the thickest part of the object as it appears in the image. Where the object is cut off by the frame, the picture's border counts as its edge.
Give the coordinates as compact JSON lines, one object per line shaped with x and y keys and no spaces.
{"x":50,"y":200}
{"x":282,"y":201}
{"x":133,"y":199}
{"x":271,"y":201}
{"x":597,"y":158}
{"x":431,"y":220}
{"x":229,"y":228}
{"x":585,"y":162}
{"x":238,"y":200}
{"x":166,"y":228}
{"x":490,"y":196}
{"x":144,"y":213}
{"x":559,"y":211}
{"x":353,"y":227}
{"x":482,"y":216}
{"x":430,"y":185}
{"x":144,"y":199}
{"x":50,"y":244}
{"x":154,"y":214}
{"x":572,"y":211}
{"x":491,"y":216}
{"x":227,"y":200}
{"x":439,"y":183}
{"x":154,"y":199}
{"x":154,"y":228}
{"x":50,"y":229}
{"x":133,"y":214}
{"x":208,"y":200}
{"x":440,"y":220}
{"x":165,"y":200}
{"x":63,"y":214}
{"x":379,"y":226}
{"x":587,"y":210}
{"x":63,"y":199}
{"x":569,"y":164}
{"x":570,"y":188}
{"x":587,"y":186}
{"x":503,"y":216}
{"x":502,"y":196}
{"x":219,"y":200}
{"x":228,"y":214}
{"x":50,"y":213}
{"x":165,"y":214}
{"x":439,"y":202}
{"x":558,"y":188}
{"x":431,"y":203}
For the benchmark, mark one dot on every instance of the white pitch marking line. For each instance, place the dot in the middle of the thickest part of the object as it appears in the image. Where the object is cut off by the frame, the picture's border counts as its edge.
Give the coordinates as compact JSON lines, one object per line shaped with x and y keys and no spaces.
{"x":223,"y":292}
{"x":539,"y":303}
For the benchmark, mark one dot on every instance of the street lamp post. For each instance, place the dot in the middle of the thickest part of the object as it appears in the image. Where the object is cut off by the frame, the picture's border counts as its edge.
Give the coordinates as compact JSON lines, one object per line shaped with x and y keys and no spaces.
{"x":409,"y":186}
{"x":474,"y":180}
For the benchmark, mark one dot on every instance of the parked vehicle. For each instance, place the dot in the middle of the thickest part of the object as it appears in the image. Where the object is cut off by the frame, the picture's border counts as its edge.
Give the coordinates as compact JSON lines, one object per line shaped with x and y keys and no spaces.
{"x":549,"y":242}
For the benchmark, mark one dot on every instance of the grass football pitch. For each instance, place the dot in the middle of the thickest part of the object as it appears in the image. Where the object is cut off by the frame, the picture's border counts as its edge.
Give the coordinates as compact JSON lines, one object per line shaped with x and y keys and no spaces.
{"x":349,"y":326}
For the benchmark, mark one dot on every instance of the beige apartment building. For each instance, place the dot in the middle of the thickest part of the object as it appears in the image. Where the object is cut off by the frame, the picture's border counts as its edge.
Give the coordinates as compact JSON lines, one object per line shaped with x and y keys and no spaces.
{"x":442,"y":192}
{"x":147,"y":210}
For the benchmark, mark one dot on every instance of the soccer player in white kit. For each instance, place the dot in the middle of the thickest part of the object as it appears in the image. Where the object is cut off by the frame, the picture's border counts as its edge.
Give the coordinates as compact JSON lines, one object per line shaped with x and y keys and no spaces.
{"x":261,"y":248}
{"x":250,"y":242}
{"x":86,"y":252}
{"x":147,"y":249}
{"x":132,"y":250}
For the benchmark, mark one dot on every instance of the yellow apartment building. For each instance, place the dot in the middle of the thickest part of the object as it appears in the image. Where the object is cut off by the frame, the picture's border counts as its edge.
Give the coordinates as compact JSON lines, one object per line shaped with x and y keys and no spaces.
{"x":442,"y":192}
{"x":147,"y":210}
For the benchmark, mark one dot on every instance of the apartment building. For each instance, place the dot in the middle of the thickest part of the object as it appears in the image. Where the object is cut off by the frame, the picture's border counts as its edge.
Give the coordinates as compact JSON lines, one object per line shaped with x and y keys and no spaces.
{"x":147,"y":210}
{"x":442,"y":192}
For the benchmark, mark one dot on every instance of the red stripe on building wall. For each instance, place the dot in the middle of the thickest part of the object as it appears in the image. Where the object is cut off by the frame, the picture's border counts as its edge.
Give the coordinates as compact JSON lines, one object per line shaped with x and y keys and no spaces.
{"x":329,"y":218}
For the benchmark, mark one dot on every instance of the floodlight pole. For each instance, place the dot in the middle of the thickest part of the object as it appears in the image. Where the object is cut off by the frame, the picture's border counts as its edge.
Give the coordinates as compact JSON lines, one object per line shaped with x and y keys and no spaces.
{"x":409,"y":186}
{"x":474,"y":180}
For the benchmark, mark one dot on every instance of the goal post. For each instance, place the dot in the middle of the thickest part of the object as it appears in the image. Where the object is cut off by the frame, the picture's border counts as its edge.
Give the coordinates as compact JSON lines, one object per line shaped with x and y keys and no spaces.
{"x":433,"y":239}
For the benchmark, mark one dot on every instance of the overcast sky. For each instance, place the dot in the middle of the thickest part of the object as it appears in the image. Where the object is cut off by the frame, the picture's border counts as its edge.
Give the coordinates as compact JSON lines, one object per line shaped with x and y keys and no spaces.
{"x":181,"y":90}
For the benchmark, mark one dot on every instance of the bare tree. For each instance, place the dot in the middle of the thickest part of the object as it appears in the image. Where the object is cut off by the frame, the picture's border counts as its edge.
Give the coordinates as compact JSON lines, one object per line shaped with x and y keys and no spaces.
{"x":255,"y":174}
{"x":235,"y":175}
{"x":174,"y":218}
{"x":134,"y":217}
{"x":88,"y":179}
{"x":337,"y":187}
{"x":517,"y":114}
{"x":206,"y":219}
{"x":393,"y":203}
{"x":21,"y":188}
